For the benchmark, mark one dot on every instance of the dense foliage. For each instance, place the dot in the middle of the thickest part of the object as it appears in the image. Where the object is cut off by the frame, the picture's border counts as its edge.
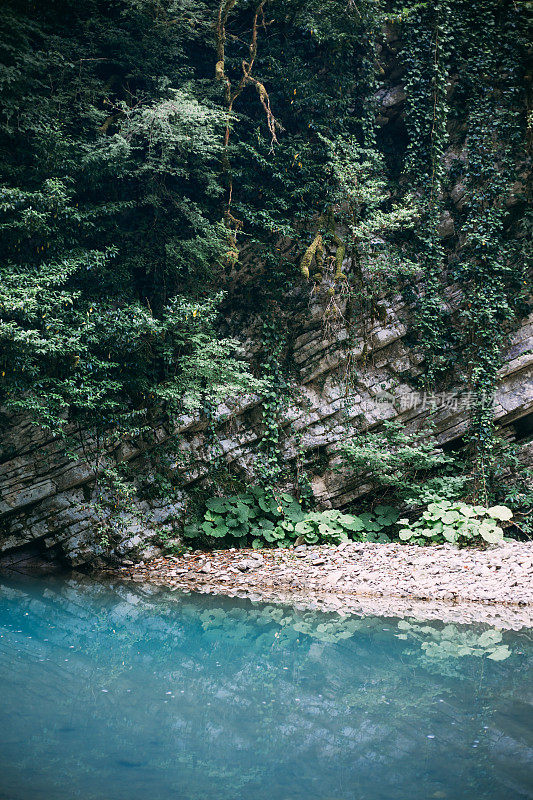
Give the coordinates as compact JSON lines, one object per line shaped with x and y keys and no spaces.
{"x":170,"y":168}
{"x":110,"y":234}
{"x":261,"y":519}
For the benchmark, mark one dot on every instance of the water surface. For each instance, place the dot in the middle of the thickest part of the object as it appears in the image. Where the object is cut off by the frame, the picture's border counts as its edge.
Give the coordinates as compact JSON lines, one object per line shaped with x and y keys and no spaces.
{"x":128,"y":692}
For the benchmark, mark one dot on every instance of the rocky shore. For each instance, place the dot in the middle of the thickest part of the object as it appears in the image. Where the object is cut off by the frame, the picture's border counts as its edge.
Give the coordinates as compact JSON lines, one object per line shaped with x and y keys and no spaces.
{"x":493,"y":586}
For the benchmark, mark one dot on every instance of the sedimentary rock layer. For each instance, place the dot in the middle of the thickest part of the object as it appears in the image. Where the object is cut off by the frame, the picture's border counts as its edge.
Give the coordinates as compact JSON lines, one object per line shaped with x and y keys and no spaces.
{"x":45,"y":494}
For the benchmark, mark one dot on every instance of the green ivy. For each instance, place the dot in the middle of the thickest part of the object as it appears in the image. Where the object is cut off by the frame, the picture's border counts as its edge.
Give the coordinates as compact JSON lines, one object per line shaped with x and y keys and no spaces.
{"x":275,"y":397}
{"x":477,"y":52}
{"x":401,"y":465}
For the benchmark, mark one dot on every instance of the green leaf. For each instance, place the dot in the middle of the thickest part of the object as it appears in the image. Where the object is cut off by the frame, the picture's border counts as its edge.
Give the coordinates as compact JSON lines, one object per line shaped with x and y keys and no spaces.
{"x":208,"y":528}
{"x":268,"y":506}
{"x":467,"y":511}
{"x":216,"y":504}
{"x":303,"y":528}
{"x":479,"y":510}
{"x":239,"y":533}
{"x":450,"y":516}
{"x":294,"y":511}
{"x":500,"y":512}
{"x":436,"y":508}
{"x":386,"y":515}
{"x":350,"y":523}
{"x":491,"y":534}
{"x":450,"y":535}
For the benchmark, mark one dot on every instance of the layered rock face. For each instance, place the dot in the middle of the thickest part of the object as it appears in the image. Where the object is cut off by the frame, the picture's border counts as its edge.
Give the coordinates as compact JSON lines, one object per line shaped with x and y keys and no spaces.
{"x":47,"y":506}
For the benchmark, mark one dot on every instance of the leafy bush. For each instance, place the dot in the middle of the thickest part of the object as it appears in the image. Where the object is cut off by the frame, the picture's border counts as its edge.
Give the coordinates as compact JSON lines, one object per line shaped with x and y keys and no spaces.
{"x":402,"y":463}
{"x":261,"y":519}
{"x":379,"y":523}
{"x":234,"y":519}
{"x":445,"y":487}
{"x":457,"y":523}
{"x":512,"y":485}
{"x":332,"y":526}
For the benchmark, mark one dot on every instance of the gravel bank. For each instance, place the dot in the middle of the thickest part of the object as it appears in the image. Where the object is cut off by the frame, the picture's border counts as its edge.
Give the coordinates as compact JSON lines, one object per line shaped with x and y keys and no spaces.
{"x":493,"y":585}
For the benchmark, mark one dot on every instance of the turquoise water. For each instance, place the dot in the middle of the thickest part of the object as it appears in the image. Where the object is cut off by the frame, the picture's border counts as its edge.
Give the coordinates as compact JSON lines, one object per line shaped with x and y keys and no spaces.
{"x":126,"y":692}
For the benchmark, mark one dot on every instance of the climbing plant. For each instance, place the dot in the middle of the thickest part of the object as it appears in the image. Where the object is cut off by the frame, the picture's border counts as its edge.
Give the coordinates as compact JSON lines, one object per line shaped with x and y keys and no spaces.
{"x":492,"y":268}
{"x":275,"y":397}
{"x":473,"y":54}
{"x":425,"y":56}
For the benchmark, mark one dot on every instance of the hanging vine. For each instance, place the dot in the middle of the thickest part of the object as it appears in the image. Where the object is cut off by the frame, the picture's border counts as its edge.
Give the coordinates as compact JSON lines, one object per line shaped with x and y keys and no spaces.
{"x":492,"y":276}
{"x":231,"y":94}
{"x":445,"y":39}
{"x":426,"y":57}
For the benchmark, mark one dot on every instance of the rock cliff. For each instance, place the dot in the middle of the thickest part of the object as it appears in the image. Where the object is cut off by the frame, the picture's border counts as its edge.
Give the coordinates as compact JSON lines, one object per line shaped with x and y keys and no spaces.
{"x":47,"y":505}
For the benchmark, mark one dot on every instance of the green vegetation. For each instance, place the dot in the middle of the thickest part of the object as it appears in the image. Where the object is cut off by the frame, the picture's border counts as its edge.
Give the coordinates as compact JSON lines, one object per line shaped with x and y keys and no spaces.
{"x":260,"y":519}
{"x":457,"y":523}
{"x":109,"y":235}
{"x":401,"y":465}
{"x":177,"y":173}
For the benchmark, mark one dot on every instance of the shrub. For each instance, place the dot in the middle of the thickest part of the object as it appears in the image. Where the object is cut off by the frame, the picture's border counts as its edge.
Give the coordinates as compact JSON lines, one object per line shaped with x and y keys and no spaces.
{"x":457,"y":523}
{"x":261,"y":519}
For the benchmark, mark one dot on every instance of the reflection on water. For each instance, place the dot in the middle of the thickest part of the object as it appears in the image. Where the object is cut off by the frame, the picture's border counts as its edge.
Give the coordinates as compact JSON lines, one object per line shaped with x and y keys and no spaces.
{"x":135,"y":693}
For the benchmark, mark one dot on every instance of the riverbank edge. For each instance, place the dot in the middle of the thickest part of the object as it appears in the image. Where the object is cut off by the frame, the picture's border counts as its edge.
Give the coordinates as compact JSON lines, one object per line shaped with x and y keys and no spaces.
{"x":492,"y":586}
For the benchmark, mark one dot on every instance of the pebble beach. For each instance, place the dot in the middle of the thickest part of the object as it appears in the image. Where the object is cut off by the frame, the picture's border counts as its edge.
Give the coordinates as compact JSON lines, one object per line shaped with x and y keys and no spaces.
{"x":493,"y":585}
